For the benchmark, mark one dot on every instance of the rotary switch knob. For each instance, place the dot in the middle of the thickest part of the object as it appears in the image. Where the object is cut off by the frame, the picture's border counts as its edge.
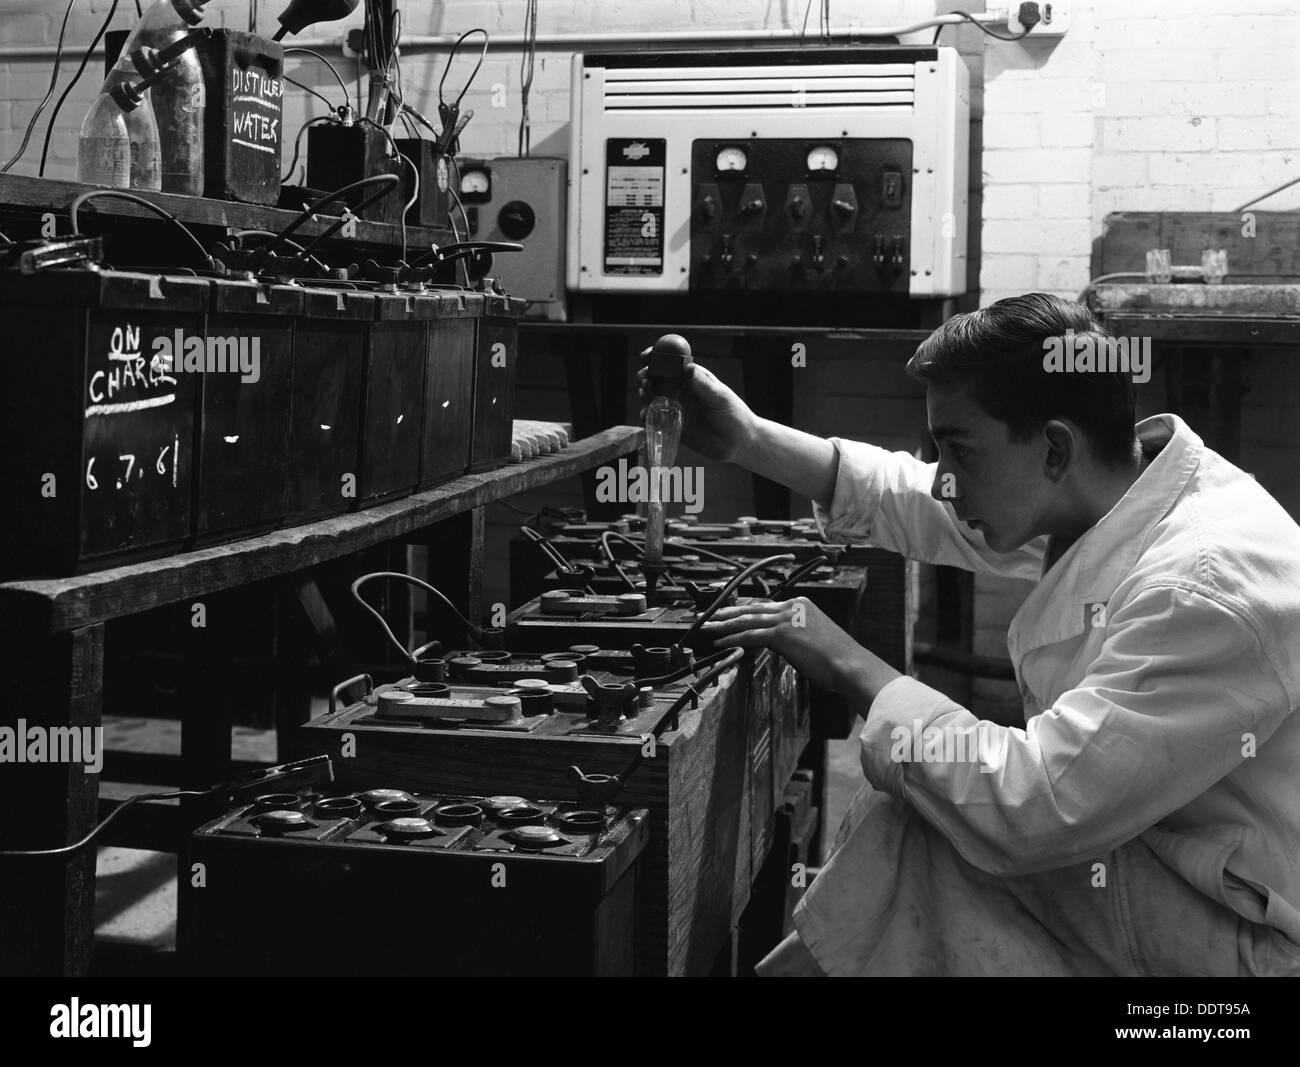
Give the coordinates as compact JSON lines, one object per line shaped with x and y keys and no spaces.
{"x":516,"y":220}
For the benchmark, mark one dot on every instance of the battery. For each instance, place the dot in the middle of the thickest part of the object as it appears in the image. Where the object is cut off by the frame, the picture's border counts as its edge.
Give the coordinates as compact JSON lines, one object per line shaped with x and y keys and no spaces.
{"x":393,"y":394}
{"x":98,"y":427}
{"x":433,"y":208}
{"x":244,"y":116}
{"x":385,"y":882}
{"x":243,"y":433}
{"x":494,"y":380}
{"x":329,"y":347}
{"x":339,"y":155}
{"x":449,"y":387}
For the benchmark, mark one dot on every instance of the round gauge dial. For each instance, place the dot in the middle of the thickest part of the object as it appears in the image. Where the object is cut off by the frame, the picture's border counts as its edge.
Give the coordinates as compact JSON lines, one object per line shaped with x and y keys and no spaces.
{"x":475,"y":183}
{"x":731,"y":159}
{"x":823,"y":157}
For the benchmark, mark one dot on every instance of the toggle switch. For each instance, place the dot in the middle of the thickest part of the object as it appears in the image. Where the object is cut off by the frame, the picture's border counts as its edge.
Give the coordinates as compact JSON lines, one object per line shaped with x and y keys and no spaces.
{"x":844,"y":208}
{"x":752,"y":201}
{"x":891,"y":189}
{"x":728,"y":253}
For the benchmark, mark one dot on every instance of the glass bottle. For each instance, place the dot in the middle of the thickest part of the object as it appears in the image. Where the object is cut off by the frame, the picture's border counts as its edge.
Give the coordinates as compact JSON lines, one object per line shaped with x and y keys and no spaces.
{"x":142,"y":133}
{"x":104,"y":146}
{"x":668,"y":366}
{"x":178,"y":99}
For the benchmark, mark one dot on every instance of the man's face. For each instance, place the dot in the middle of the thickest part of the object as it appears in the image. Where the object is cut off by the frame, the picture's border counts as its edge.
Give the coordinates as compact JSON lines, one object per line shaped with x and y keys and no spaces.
{"x":993,"y":485}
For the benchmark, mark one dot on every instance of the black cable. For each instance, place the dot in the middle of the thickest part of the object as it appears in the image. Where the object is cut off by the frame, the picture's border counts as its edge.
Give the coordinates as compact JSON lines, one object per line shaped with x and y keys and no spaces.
{"x":66,"y":849}
{"x":670,"y":719}
{"x":735,"y":582}
{"x":333,"y":69}
{"x":400,"y":158}
{"x":526,"y":67}
{"x":54,"y":79}
{"x":407,"y":655}
{"x":307,"y":88}
{"x":391,"y":182}
{"x":985,"y":30}
{"x":297,"y":144}
{"x":121,"y":194}
{"x":661,"y":680}
{"x":477,"y":66}
{"x":49,"y":129}
{"x":798,"y":575}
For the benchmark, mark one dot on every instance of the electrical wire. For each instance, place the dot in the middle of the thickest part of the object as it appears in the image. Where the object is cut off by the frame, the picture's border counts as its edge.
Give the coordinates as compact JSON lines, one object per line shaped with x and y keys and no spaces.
{"x":390,"y":182}
{"x":526,"y":67}
{"x":1271,"y":192}
{"x":451,"y":56}
{"x":309,"y":89}
{"x":54,"y":80}
{"x":49,"y":129}
{"x":798,"y":575}
{"x":407,"y":655}
{"x":347,"y":96}
{"x":297,"y":145}
{"x":726,"y":591}
{"x":985,"y":30}
{"x":1115,"y":275}
{"x":120,"y":194}
{"x":415,"y":174}
{"x":104,"y":824}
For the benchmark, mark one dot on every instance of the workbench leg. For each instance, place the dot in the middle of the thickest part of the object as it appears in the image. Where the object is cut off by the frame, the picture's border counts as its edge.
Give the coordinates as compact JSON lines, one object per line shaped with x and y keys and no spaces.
{"x":47,"y":906}
{"x":206,"y":724}
{"x":455,"y":548}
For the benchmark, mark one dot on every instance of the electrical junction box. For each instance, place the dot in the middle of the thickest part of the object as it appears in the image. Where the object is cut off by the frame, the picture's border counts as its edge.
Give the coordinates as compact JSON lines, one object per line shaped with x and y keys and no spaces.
{"x":521,"y":200}
{"x":837,"y":169}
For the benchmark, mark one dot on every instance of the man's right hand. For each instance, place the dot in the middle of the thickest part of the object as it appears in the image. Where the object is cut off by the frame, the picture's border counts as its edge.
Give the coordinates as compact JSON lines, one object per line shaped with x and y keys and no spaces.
{"x":716,"y":422}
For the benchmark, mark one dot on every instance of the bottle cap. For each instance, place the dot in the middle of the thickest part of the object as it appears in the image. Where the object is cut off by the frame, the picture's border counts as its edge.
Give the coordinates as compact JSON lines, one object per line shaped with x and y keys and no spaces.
{"x":669,"y":365}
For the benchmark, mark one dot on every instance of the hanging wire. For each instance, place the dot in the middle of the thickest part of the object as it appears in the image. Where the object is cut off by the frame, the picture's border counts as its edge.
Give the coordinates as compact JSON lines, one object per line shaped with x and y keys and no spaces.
{"x":49,"y":129}
{"x":54,"y":79}
{"x":527,"y":65}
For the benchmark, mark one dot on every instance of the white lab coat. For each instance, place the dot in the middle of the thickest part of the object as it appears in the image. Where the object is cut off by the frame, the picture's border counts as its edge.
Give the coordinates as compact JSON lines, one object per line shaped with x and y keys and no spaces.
{"x":1147,"y":818}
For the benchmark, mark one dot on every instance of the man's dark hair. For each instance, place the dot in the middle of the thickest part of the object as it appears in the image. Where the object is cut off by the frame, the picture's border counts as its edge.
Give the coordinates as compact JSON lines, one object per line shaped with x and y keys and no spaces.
{"x":996,"y":355}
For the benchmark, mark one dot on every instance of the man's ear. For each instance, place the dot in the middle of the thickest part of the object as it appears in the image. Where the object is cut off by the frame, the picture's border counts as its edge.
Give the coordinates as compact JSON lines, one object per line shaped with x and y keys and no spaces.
{"x":1062,"y":448}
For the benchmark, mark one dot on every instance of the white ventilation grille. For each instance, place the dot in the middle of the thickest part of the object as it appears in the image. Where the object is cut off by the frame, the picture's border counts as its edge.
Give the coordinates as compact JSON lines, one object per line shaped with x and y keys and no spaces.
{"x":763,"y":88}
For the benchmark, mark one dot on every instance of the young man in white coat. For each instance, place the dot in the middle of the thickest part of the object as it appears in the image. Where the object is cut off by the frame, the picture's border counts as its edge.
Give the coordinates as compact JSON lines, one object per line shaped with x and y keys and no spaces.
{"x":1145,"y":820}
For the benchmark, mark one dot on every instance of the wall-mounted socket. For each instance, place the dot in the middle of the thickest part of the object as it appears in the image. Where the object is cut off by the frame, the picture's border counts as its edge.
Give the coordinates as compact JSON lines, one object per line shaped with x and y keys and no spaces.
{"x":1053,"y":21}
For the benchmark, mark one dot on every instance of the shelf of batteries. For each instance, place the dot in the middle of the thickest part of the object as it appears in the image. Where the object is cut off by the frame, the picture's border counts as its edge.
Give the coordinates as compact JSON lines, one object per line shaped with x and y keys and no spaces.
{"x":603,"y":701}
{"x":624,"y":692}
{"x":191,"y":405}
{"x":603,"y":557}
